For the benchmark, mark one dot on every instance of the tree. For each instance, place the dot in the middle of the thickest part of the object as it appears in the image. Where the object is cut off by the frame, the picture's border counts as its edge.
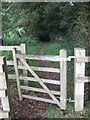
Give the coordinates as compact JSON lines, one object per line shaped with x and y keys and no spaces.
{"x":80,"y":32}
{"x":51,"y":18}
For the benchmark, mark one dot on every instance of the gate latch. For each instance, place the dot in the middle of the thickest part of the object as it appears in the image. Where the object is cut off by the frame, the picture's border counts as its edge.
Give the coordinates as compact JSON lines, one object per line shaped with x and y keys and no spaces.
{"x":70,"y":57}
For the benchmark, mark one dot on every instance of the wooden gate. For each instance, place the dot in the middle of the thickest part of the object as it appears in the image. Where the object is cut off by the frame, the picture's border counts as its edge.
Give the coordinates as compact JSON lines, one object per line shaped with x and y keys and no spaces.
{"x":21,"y":49}
{"x":79,"y":77}
{"x":20,"y":63}
{"x":4,"y":90}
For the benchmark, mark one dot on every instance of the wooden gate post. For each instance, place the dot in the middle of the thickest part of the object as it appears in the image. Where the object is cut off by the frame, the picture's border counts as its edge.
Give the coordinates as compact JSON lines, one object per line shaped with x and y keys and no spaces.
{"x":79,"y":71}
{"x":25,"y":73}
{"x":63,"y":78}
{"x":17,"y":73}
{"x":4,"y":90}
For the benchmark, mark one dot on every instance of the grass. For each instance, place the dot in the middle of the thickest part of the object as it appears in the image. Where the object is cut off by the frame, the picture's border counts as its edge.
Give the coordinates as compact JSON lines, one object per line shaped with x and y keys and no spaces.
{"x":32,"y":48}
{"x":54,"y":112}
{"x":52,"y":48}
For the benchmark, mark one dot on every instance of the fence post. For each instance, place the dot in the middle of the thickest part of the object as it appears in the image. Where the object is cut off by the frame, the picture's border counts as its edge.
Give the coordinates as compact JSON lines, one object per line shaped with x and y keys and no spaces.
{"x":25,"y":72}
{"x":63,"y":79}
{"x":79,"y":71}
{"x":17,"y":73}
{"x":4,"y":90}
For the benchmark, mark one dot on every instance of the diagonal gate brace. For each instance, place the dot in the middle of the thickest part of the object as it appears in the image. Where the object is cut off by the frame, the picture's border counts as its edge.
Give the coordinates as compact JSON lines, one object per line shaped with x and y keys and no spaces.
{"x":40,"y":81}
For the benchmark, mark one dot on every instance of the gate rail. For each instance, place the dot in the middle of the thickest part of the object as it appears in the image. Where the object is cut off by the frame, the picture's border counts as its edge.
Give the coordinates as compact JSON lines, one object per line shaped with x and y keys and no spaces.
{"x":4,"y":92}
{"x":79,"y":74}
{"x":79,"y":77}
{"x":62,"y":58}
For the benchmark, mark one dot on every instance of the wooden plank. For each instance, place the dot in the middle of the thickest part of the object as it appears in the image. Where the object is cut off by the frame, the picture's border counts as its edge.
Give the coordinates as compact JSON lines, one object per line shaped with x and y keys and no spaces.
{"x":23,"y":51}
{"x":44,"y":69}
{"x":3,"y":85}
{"x":11,"y":76}
{"x":38,"y":99}
{"x":10,"y":63}
{"x":4,"y":114}
{"x":2,"y":59}
{"x":9,"y":48}
{"x":40,"y":81}
{"x":5,"y":104}
{"x":82,"y":59}
{"x":40,"y":90}
{"x":44,"y":80}
{"x":83,"y":79}
{"x":1,"y":68}
{"x":17,"y":73}
{"x":79,"y":71}
{"x":39,"y":57}
{"x":63,"y":79}
{"x":3,"y":93}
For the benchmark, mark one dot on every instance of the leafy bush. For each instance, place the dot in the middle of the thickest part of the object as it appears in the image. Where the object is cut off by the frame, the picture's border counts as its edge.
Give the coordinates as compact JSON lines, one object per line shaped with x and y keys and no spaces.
{"x":17,"y":41}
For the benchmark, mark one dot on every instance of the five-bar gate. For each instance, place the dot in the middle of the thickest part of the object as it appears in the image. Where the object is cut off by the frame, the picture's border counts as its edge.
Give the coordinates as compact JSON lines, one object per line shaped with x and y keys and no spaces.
{"x":56,"y":97}
{"x":61,"y":100}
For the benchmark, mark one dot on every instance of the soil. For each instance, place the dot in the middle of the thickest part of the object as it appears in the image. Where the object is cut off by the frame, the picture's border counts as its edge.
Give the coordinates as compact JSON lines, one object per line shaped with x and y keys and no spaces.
{"x":28,"y":108}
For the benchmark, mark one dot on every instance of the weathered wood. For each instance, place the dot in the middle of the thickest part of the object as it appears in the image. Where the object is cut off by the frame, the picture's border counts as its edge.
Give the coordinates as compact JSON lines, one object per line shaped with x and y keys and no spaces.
{"x":39,"y":57}
{"x":4,"y":114}
{"x":82,"y":59}
{"x":1,"y":68}
{"x":11,"y":76}
{"x":1,"y":59}
{"x":3,"y":93}
{"x":63,"y":79}
{"x":83,"y":79}
{"x":79,"y":71}
{"x":17,"y":73}
{"x":24,"y":51}
{"x":4,"y":90}
{"x":40,"y":81}
{"x":44,"y":69}
{"x":44,"y":80}
{"x":3,"y":85}
{"x":10,"y":112}
{"x":10,"y":63}
{"x":40,"y":90}
{"x":9,"y":48}
{"x":5,"y":103}
{"x":38,"y":99}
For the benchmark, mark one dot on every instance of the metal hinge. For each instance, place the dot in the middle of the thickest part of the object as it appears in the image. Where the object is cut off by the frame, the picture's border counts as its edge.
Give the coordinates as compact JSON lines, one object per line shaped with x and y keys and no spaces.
{"x":70,"y":57}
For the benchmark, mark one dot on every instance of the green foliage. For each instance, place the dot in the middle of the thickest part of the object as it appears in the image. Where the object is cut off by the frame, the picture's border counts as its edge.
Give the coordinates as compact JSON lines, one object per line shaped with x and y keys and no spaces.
{"x":58,"y":19}
{"x":80,"y":32}
{"x":56,"y":47}
{"x":28,"y":40}
{"x":55,"y":18}
{"x":34,"y":84}
{"x":54,"y":112}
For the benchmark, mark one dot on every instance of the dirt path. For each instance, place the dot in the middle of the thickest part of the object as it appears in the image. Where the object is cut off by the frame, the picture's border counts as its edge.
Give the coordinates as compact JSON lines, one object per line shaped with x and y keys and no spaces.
{"x":30,"y":108}
{"x":48,"y":75}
